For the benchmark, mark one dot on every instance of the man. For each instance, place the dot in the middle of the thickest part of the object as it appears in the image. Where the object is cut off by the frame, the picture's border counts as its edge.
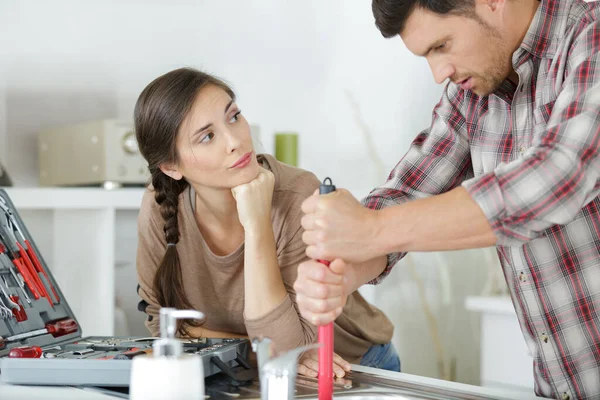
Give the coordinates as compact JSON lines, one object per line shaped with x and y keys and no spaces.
{"x":510,"y":159}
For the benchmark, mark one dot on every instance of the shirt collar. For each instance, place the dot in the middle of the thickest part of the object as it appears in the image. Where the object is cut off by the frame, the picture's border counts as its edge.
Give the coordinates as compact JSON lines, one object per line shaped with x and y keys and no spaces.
{"x":547,"y":28}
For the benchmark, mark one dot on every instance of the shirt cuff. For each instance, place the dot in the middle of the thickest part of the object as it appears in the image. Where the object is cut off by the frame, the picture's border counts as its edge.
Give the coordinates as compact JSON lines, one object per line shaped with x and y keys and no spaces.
{"x":485,"y":190}
{"x":392,"y":259}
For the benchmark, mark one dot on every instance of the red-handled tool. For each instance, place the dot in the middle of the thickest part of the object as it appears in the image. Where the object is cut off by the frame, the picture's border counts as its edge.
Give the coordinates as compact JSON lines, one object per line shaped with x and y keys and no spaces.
{"x":26,"y":352}
{"x":31,"y":270}
{"x":56,"y":329}
{"x":29,"y":256}
{"x":6,"y":263}
{"x":326,"y":334}
{"x":19,"y":311}
{"x":12,"y":249}
{"x":13,"y":301}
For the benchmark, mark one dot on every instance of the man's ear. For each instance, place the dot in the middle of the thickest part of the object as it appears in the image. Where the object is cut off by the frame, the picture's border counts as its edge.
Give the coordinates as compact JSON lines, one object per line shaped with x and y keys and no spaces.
{"x":171,"y":170}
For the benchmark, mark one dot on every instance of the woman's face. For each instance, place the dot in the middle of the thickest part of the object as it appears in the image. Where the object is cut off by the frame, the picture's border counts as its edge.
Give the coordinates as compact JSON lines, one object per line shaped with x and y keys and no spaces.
{"x":214,"y":143}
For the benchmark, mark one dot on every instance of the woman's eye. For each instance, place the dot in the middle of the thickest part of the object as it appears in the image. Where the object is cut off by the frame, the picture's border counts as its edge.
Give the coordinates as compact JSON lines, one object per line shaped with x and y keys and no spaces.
{"x":235,"y":117}
{"x":207,"y":138}
{"x":441,"y":47}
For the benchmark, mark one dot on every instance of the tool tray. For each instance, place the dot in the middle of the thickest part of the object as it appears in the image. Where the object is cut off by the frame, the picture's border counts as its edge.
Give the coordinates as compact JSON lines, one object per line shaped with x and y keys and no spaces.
{"x":41,"y":341}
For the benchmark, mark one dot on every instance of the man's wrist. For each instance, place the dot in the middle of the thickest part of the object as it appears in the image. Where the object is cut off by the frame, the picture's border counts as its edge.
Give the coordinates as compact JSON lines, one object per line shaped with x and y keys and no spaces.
{"x":376,"y":235}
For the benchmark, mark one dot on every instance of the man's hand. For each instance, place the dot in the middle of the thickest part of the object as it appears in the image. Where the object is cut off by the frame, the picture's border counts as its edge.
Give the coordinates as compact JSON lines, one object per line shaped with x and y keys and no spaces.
{"x":308,"y":365}
{"x":321,"y":291}
{"x":336,"y":225}
{"x":254,"y":200}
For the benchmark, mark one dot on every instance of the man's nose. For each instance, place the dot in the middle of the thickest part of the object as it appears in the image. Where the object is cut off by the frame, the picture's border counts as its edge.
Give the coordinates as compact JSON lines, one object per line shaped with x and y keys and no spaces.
{"x":441,"y":71}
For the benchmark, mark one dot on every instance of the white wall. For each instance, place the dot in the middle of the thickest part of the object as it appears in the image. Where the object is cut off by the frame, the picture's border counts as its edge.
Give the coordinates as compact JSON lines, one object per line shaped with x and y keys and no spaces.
{"x":292,"y":64}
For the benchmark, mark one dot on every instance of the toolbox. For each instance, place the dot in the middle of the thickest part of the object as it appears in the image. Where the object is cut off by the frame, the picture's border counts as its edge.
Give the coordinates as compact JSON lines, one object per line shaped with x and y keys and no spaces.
{"x":41,"y":342}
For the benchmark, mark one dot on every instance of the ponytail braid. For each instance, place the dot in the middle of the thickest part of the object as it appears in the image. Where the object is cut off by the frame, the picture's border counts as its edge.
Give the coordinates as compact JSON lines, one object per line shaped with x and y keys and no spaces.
{"x":168,"y":282}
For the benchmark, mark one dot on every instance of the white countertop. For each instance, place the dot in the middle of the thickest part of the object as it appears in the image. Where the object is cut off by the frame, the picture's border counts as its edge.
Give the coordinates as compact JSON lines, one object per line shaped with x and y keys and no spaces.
{"x":17,"y":392}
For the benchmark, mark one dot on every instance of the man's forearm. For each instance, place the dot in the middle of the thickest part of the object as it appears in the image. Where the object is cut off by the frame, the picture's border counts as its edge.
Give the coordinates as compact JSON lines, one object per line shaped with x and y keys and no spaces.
{"x":362,"y":273}
{"x":450,"y":221}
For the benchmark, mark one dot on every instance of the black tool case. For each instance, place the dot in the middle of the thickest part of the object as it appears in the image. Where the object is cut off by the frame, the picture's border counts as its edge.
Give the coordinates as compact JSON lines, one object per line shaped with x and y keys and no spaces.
{"x":41,"y":341}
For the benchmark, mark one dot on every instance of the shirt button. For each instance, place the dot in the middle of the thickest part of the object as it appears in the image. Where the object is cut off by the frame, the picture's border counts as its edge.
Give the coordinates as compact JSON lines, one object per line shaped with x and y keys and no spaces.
{"x":544,"y":337}
{"x":522,"y":277}
{"x":522,"y":150}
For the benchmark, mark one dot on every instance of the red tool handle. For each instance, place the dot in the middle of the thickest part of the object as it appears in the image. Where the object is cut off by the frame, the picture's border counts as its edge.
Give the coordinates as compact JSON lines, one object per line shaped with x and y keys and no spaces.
{"x":21,"y":269}
{"x":38,"y":267}
{"x":36,"y":279}
{"x":26,"y":277}
{"x":26,"y":352}
{"x":326,"y":358}
{"x":19,"y":313}
{"x":61,"y":328}
{"x":326,"y":334}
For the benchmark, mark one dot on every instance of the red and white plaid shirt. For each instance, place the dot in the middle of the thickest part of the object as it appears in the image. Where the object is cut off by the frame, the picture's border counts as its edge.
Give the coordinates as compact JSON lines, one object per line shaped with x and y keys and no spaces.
{"x":528,"y":155}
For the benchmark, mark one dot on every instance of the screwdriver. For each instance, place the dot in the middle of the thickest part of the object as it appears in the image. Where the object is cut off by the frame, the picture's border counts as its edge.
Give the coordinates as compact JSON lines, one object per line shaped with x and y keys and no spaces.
{"x":56,"y":329}
{"x":26,"y":352}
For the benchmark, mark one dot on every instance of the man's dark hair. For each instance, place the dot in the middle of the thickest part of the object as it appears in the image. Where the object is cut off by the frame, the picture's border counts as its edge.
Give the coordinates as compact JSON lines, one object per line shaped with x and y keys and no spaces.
{"x":391,"y":15}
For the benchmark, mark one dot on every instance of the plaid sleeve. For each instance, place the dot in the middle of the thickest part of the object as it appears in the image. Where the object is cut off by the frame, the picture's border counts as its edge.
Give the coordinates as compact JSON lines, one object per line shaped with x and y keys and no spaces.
{"x":559,"y":174}
{"x":438,"y":160}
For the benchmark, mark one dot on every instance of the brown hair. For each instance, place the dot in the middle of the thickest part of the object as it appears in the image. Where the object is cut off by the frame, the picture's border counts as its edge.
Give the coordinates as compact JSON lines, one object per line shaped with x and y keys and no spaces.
{"x":159,"y":112}
{"x":391,"y":15}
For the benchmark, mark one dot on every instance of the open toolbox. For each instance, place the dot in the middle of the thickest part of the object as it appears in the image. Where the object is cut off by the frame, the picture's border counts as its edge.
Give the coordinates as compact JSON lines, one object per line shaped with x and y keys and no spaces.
{"x":41,"y":341}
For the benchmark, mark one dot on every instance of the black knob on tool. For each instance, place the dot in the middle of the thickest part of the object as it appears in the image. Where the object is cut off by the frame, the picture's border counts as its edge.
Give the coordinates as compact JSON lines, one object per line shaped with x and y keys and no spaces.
{"x":326,"y":187}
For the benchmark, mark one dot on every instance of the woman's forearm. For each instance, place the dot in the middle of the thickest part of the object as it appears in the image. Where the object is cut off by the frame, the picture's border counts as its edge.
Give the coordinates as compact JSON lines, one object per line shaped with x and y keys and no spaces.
{"x":201,"y":332}
{"x":263,"y":285}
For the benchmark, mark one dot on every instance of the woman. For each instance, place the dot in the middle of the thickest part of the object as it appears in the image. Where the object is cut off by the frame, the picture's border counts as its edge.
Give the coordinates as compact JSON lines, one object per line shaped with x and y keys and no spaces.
{"x":220,"y":232}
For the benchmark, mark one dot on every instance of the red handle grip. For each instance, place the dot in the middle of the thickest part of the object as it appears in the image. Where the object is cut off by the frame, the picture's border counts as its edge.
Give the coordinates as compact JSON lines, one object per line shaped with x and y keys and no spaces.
{"x":326,"y":358}
{"x":31,"y":270}
{"x":61,"y":328}
{"x":38,"y":267}
{"x":26,"y":277}
{"x":26,"y":352}
{"x":19,"y":313}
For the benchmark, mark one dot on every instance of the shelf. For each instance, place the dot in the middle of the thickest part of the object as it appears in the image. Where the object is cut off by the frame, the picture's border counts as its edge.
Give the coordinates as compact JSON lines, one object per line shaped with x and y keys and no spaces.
{"x":75,"y":198}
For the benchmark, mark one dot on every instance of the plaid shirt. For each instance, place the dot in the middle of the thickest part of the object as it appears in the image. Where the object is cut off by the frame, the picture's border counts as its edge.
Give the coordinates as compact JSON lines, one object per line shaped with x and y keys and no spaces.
{"x":528,"y":155}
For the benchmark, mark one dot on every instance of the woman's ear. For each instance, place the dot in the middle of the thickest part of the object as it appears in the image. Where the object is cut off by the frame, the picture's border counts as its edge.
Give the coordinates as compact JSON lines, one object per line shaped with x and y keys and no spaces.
{"x":171,"y":170}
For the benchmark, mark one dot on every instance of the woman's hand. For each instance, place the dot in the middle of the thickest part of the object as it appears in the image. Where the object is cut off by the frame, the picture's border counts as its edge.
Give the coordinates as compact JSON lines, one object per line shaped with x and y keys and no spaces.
{"x":308,"y":365}
{"x":254,"y":200}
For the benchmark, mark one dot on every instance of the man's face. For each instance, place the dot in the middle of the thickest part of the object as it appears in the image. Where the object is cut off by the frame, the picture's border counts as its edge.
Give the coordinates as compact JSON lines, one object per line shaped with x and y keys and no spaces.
{"x":468,"y":51}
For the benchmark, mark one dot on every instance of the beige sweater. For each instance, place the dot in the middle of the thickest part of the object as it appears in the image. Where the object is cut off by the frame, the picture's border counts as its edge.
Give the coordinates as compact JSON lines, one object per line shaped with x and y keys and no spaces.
{"x":215,"y":284}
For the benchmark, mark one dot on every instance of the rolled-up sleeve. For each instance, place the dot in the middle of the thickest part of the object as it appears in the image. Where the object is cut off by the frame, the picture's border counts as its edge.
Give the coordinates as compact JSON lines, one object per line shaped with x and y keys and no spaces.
{"x":438,"y":160}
